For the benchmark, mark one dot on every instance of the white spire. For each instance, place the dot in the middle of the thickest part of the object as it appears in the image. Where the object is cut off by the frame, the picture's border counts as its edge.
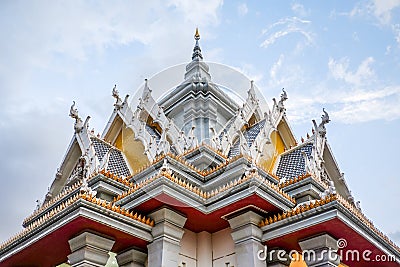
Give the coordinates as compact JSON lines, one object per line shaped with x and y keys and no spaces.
{"x":197,"y":69}
{"x":197,"y":56}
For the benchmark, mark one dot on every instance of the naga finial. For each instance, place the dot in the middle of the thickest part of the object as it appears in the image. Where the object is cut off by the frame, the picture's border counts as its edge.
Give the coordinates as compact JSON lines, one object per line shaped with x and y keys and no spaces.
{"x":325,"y":117}
{"x":115,"y":92}
{"x":280,"y":106}
{"x":284,"y":95}
{"x":146,"y":84}
{"x":118,"y":101}
{"x":73,"y":112}
{"x":321,"y":127}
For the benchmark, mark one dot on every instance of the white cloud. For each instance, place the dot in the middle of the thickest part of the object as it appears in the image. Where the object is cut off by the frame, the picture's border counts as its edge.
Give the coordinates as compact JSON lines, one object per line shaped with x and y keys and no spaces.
{"x":285,"y":73}
{"x":48,"y":44}
{"x":299,"y":10}
{"x":74,"y":28}
{"x":383,"y":9}
{"x":396,"y":31}
{"x":388,"y":50}
{"x":355,"y":36}
{"x":284,"y":27}
{"x":61,"y":37}
{"x":360,"y":9}
{"x":363,"y":74}
{"x":250,"y":71}
{"x":275,"y":67}
{"x":347,"y":106}
{"x":242,"y":9}
{"x":199,"y":12}
{"x":353,"y":96}
{"x":362,"y":105}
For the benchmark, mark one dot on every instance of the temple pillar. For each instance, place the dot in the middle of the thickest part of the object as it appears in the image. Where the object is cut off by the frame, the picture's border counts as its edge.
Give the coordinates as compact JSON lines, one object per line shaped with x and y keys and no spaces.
{"x":247,"y":237}
{"x":167,"y":233}
{"x":320,"y":251}
{"x":89,"y":250}
{"x":131,"y":258}
{"x":204,"y":249}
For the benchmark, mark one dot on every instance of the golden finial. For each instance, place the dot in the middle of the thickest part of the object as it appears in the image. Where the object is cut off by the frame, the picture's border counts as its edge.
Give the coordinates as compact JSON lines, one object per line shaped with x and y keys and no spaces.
{"x":197,"y":34}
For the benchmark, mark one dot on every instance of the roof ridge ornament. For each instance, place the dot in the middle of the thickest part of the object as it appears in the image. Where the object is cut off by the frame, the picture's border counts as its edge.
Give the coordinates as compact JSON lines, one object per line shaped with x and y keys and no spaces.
{"x":320,"y":129}
{"x":118,"y":101}
{"x":284,"y":97}
{"x":165,"y":167}
{"x":73,"y":113}
{"x":279,"y":107}
{"x":252,"y":93}
{"x":146,"y":92}
{"x":325,"y":117}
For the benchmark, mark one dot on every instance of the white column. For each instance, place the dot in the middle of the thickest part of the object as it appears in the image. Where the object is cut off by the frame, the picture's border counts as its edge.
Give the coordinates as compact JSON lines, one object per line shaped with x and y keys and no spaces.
{"x":89,"y":250}
{"x":167,"y":233}
{"x":204,"y":249}
{"x":131,"y":258}
{"x":247,"y":237}
{"x":320,"y":251}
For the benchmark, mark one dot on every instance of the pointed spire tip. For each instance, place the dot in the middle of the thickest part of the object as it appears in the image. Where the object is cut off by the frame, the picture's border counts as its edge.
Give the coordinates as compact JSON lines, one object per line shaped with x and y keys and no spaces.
{"x":196,"y":50}
{"x":197,"y":34}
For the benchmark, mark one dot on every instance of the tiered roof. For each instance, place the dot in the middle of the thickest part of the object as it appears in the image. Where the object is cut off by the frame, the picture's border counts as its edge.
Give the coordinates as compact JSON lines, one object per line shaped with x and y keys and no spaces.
{"x":165,"y":162}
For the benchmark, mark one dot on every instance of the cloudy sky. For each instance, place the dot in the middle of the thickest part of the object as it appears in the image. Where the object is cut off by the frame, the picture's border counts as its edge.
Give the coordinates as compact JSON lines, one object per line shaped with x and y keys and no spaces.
{"x":341,"y":55}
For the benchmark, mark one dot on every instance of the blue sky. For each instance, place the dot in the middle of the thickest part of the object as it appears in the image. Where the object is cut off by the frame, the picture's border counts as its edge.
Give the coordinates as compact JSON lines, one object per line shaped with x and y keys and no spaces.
{"x":341,"y":55}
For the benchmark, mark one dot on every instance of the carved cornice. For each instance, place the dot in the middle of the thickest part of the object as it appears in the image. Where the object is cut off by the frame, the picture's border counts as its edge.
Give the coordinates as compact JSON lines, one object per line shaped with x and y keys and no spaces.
{"x":298,"y":212}
{"x":199,"y":191}
{"x":102,"y":205}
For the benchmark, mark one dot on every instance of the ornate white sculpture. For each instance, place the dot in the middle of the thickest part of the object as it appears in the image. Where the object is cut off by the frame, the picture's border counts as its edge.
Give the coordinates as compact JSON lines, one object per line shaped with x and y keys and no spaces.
{"x":331,"y":190}
{"x":38,"y":204}
{"x":320,"y":129}
{"x":358,"y":205}
{"x":192,"y":141}
{"x":284,"y":97}
{"x":225,"y":142}
{"x":165,"y":168}
{"x":251,"y":94}
{"x":215,"y":141}
{"x":85,"y":188}
{"x":118,"y":100}
{"x":73,"y":113}
{"x":163,"y":146}
{"x":243,"y":145}
{"x":79,"y":125}
{"x":251,"y":170}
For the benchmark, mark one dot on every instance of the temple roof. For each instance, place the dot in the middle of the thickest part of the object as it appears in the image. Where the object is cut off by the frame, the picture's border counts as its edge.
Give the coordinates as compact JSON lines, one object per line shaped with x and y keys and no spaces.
{"x":241,"y":157}
{"x":292,"y":164}
{"x":115,"y":160}
{"x":250,"y":134}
